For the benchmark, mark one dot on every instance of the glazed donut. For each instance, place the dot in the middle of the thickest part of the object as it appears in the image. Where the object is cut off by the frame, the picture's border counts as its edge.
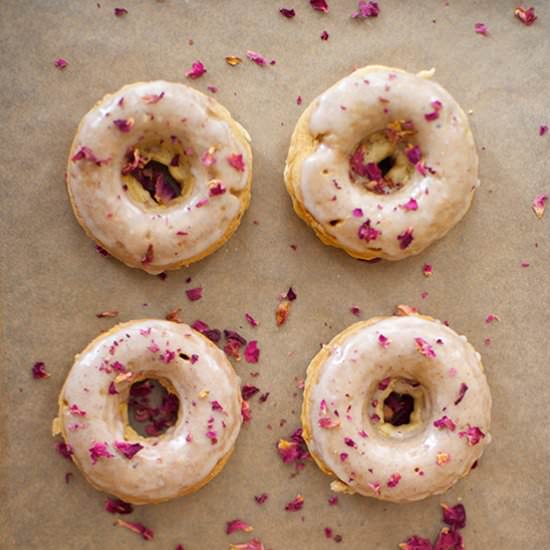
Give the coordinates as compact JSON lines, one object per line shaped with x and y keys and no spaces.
{"x":382,"y":164}
{"x":350,"y":393}
{"x":93,"y":413}
{"x":159,"y":175}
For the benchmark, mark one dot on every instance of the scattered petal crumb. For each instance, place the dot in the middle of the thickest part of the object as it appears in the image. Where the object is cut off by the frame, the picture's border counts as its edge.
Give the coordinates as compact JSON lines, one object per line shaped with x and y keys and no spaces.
{"x":107,"y":314}
{"x":260,"y":499}
{"x":366,"y":9}
{"x":196,"y":71}
{"x":319,"y":5}
{"x":237,"y":525}
{"x":299,"y":100}
{"x":119,"y":12}
{"x":138,"y":528}
{"x":524,"y":263}
{"x":289,"y":13}
{"x":254,"y":544}
{"x":427,"y":270}
{"x":281,"y":313}
{"x":39,"y":371}
{"x":325,"y":35}
{"x":251,"y":321}
{"x":295,"y":504}
{"x":481,"y":28}
{"x":252,"y":352}
{"x":355,"y":310}
{"x":543,"y":130}
{"x":60,"y":63}
{"x":257,"y":58}
{"x":487,"y":341}
{"x":194,"y":294}
{"x":491,"y":317}
{"x":117,"y":506}
{"x":525,"y":15}
{"x":538,"y":205}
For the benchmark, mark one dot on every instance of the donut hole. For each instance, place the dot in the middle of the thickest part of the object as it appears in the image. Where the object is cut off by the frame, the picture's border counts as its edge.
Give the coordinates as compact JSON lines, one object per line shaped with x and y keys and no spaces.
{"x":398,"y":408}
{"x":152,"y":409}
{"x":386,"y":164}
{"x":158,"y":181}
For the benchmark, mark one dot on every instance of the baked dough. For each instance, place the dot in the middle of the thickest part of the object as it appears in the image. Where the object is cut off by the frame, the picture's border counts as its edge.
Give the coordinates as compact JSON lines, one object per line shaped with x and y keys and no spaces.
{"x":159,"y":175}
{"x":185,"y":457}
{"x":344,"y":421}
{"x":382,"y":164}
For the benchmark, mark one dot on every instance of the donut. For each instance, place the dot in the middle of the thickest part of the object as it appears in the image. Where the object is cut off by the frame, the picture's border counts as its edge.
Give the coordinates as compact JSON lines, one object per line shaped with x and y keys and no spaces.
{"x":93,"y":411}
{"x":382,"y":164}
{"x":396,"y":408}
{"x":159,"y":175}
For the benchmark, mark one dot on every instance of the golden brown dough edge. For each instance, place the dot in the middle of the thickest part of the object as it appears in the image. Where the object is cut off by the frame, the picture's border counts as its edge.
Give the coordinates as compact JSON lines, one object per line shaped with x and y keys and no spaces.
{"x":245,"y":196}
{"x":302,"y":144}
{"x":58,"y":426}
{"x":312,"y":375}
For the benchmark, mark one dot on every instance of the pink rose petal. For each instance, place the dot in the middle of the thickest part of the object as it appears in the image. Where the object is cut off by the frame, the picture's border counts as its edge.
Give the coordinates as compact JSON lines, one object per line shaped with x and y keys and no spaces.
{"x":366,"y":9}
{"x":194,"y":294}
{"x":257,"y":58}
{"x":196,"y":71}
{"x":252,"y":352}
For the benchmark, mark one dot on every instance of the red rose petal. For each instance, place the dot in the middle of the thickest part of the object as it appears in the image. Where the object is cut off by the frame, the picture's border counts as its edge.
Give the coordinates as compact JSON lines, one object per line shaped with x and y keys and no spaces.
{"x":481,"y":28}
{"x":325,"y":35}
{"x":194,"y":294}
{"x":445,"y":423}
{"x":424,"y":348}
{"x":237,"y":162}
{"x":119,"y":12}
{"x":461,"y":393}
{"x":39,"y":371}
{"x":416,"y":543}
{"x":319,"y":5}
{"x":64,"y":449}
{"x":196,"y":71}
{"x":289,"y":13}
{"x":295,"y":504}
{"x":525,"y":15}
{"x":237,"y":525}
{"x":60,"y":63}
{"x":117,"y":506}
{"x":454,"y":516}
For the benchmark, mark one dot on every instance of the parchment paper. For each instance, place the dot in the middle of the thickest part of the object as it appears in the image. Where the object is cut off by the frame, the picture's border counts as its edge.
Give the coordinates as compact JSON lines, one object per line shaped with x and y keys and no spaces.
{"x":54,"y":282}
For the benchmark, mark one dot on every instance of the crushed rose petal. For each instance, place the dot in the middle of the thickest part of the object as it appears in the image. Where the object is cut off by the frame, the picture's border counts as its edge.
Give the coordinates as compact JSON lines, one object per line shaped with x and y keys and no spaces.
{"x":491,"y":317}
{"x":124,"y":125}
{"x":260,"y":499}
{"x":424,"y":348}
{"x":151,"y":99}
{"x":64,"y":449}
{"x":117,"y":506}
{"x":295,"y":504}
{"x":538,"y":205}
{"x":366,"y":9}
{"x":427,"y":270}
{"x":254,"y":544}
{"x":99,"y":450}
{"x":405,"y":238}
{"x":526,"y":16}
{"x":248,"y":390}
{"x":289,"y":13}
{"x":383,"y":341}
{"x":473,"y":434}
{"x":252,"y":352}
{"x":481,"y":28}
{"x":256,"y":58}
{"x":75,"y":410}
{"x":461,"y":393}
{"x":251,"y":321}
{"x":454,"y":516}
{"x":414,"y":154}
{"x":325,"y":35}
{"x":236,"y":161}
{"x":237,"y":525}
{"x":60,"y":63}
{"x":393,"y":480}
{"x":217,"y":188}
{"x":196,"y":71}
{"x":39,"y":371}
{"x":411,"y":204}
{"x":445,"y":423}
{"x":367,"y":233}
{"x":319,"y":5}
{"x":119,"y":12}
{"x":129,"y":450}
{"x":194,"y":294}
{"x":355,"y":310}
{"x":449,"y":539}
{"x":543,"y":130}
{"x":416,"y":543}
{"x":136,"y":527}
{"x":437,"y":106}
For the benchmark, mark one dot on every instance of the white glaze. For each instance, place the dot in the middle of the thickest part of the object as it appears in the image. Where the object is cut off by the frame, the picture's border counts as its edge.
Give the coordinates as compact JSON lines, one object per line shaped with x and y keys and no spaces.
{"x":124,"y":226}
{"x":170,"y":464}
{"x":447,"y":145}
{"x":350,"y":378}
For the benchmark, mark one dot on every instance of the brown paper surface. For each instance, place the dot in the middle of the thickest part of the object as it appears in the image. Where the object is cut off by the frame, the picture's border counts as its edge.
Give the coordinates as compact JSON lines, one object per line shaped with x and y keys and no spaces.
{"x":53,"y":281}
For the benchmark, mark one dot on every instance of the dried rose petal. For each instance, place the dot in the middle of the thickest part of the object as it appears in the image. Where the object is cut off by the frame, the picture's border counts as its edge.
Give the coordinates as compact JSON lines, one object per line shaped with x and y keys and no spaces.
{"x":350,"y":443}
{"x":117,"y":506}
{"x":217,"y":188}
{"x":64,"y":449}
{"x":194,"y":294}
{"x":437,"y":106}
{"x":526,"y":16}
{"x":260,"y":499}
{"x":328,"y":423}
{"x":254,"y":544}
{"x":427,"y":270}
{"x":60,"y":63}
{"x":124,"y":125}
{"x":174,"y":315}
{"x":295,"y":504}
{"x":281,"y":313}
{"x":233,"y":60}
{"x":445,"y":423}
{"x":85,"y":153}
{"x":245,"y":411}
{"x":289,"y":13}
{"x":367,"y":233}
{"x":416,"y":543}
{"x":237,"y":525}
{"x":481,"y":28}
{"x":237,"y":162}
{"x":290,"y":295}
{"x":449,"y":540}
{"x":294,"y":451}
{"x":138,"y":528}
{"x":405,"y":238}
{"x":257,"y":58}
{"x":473,"y":434}
{"x":39,"y":371}
{"x":461,"y":393}
{"x":319,"y":5}
{"x":328,"y":532}
{"x":129,"y":450}
{"x":455,"y":516}
{"x":414,"y":154}
{"x":538,"y":205}
{"x":196,"y":71}
{"x":366,"y":9}
{"x":151,"y":99}
{"x":357,"y":212}
{"x":252,"y":352}
{"x":119,"y":12}
{"x":99,"y":450}
{"x":393,"y":480}
{"x":75,"y":410}
{"x":355,"y":310}
{"x":100,"y":250}
{"x":491,"y":317}
{"x":424,"y":348}
{"x":543,"y":130}
{"x":248,"y":390}
{"x":112,"y":389}
{"x":325,"y":35}
{"x":251,"y":321}
{"x":384,"y":341}
{"x":411,"y":204}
